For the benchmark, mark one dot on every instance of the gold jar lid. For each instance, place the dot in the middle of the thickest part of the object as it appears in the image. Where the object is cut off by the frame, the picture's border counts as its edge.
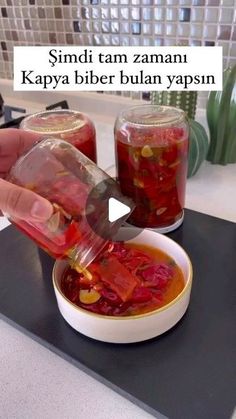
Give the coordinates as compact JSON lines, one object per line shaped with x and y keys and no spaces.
{"x":153,"y":116}
{"x":54,"y":122}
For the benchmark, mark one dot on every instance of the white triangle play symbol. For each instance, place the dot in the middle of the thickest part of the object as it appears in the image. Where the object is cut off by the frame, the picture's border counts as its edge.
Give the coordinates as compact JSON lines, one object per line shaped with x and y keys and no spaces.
{"x":116,"y":209}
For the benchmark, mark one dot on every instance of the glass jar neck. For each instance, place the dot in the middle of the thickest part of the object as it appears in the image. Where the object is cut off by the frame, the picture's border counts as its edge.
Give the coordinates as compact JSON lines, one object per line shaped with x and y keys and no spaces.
{"x":82,"y":254}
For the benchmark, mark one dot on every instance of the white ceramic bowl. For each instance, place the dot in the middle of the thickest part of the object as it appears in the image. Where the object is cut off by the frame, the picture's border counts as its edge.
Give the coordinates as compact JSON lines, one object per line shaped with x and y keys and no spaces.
{"x":133,"y":328}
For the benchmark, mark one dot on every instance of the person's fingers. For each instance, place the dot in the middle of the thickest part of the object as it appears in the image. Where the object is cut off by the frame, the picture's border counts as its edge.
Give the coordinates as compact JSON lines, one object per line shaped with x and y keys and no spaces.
{"x":14,"y":142}
{"x":5,"y":164}
{"x":22,"y":203}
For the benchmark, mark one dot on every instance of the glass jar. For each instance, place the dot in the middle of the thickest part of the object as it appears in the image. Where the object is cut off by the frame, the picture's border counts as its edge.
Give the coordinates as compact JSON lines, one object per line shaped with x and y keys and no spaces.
{"x":71,"y":126}
{"x":151,"y":162}
{"x":79,"y":192}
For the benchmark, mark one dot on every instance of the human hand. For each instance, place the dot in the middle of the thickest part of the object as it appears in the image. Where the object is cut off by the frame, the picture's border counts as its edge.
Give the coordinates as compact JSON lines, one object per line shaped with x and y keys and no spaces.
{"x":14,"y":200}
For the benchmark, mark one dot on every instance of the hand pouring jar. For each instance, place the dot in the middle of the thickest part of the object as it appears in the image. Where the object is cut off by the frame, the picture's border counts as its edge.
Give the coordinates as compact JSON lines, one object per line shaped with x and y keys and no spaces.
{"x":79,"y":192}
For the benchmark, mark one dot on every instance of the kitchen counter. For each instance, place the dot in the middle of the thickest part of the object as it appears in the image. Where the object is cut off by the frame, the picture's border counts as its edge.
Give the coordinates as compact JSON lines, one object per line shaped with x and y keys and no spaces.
{"x":36,"y":383}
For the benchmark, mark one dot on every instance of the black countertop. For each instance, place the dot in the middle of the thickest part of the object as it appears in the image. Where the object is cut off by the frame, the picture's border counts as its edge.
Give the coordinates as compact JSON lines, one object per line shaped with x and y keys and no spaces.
{"x":187,"y":373}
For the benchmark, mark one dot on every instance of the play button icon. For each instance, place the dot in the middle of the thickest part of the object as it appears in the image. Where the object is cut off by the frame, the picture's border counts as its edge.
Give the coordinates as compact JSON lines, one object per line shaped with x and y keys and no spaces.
{"x":117,"y":209}
{"x":107,"y":209}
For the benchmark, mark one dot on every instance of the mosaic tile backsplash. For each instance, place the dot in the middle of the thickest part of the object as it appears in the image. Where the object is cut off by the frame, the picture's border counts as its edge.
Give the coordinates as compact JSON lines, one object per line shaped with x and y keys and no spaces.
{"x":116,"y":22}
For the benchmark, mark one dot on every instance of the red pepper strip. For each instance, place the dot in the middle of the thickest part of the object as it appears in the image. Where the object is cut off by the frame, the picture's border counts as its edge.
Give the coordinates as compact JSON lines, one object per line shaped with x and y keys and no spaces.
{"x":119,"y":279}
{"x":141,"y":295}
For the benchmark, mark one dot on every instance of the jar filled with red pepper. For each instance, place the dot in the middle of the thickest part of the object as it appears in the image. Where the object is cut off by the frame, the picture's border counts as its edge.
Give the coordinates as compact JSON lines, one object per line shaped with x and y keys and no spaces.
{"x":79,"y":191}
{"x":151,"y":161}
{"x":71,"y":126}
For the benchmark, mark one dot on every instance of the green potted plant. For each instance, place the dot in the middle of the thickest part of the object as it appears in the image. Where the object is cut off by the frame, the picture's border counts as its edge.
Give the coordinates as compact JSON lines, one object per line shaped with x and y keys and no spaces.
{"x":221,"y":118}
